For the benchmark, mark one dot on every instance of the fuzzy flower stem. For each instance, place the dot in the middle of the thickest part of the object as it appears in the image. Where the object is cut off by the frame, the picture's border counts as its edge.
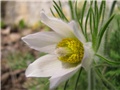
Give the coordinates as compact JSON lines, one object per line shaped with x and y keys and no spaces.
{"x":78,"y":78}
{"x":107,"y":32}
{"x":91,"y":79}
{"x":66,"y":83}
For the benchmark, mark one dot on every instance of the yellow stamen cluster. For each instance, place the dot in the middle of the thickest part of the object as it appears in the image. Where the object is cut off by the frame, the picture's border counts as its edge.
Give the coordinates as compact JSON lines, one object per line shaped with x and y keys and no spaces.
{"x":70,"y":50}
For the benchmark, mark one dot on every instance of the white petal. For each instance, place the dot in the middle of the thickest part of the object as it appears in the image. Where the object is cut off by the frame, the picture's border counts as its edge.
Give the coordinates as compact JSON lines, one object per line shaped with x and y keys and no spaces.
{"x":76,"y":31}
{"x":88,"y":56}
{"x":48,"y":49}
{"x":44,"y":66}
{"x":41,"y":40}
{"x":62,"y":75}
{"x":57,"y":25}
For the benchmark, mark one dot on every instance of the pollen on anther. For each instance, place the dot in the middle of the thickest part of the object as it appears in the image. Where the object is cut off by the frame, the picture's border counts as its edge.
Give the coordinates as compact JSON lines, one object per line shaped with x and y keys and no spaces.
{"x":74,"y":50}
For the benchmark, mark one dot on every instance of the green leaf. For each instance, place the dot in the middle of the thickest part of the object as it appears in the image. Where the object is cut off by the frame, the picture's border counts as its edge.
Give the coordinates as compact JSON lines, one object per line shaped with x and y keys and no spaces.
{"x":83,"y":11}
{"x":60,"y":11}
{"x":92,"y":27}
{"x":22,"y":24}
{"x":52,"y":12}
{"x":96,"y":19}
{"x":71,"y":9}
{"x":77,"y":18}
{"x":86,"y":21}
{"x":76,"y":11}
{"x":102,"y":30}
{"x":108,"y":61}
{"x":112,"y":8}
{"x":108,"y":84}
{"x":103,"y":13}
{"x":60,"y":4}
{"x":80,"y":21}
{"x":113,"y":73}
{"x":101,"y":9}
{"x":2,"y":24}
{"x":91,"y":20}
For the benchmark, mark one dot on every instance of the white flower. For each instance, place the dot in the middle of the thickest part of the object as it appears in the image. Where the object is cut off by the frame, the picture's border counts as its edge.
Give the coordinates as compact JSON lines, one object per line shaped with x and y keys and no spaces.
{"x":66,"y":47}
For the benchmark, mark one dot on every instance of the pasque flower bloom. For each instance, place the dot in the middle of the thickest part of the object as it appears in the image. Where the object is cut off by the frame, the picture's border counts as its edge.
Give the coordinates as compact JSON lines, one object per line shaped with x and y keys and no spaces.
{"x":66,"y":49}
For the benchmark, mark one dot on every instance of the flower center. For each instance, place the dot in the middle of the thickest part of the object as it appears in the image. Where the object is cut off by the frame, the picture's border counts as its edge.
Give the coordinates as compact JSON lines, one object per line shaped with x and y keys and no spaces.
{"x":70,"y":50}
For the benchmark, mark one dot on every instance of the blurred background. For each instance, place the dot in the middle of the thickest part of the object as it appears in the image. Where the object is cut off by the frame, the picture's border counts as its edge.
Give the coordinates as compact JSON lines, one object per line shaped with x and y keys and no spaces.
{"x":20,"y":18}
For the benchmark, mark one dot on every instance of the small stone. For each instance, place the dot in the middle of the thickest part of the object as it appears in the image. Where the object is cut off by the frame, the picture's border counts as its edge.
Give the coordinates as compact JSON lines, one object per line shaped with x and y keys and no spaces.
{"x":26,"y":32}
{"x":14,"y":37}
{"x":5,"y":31}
